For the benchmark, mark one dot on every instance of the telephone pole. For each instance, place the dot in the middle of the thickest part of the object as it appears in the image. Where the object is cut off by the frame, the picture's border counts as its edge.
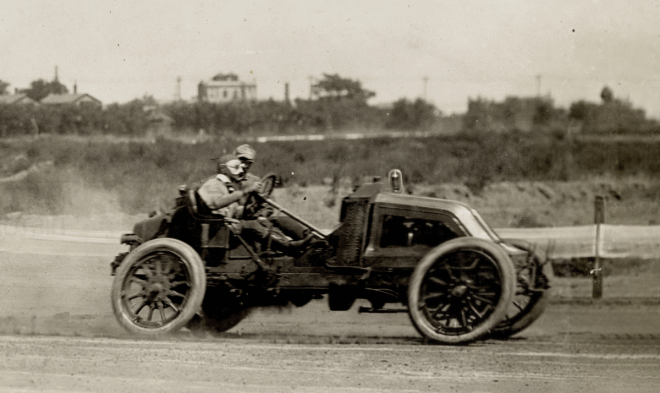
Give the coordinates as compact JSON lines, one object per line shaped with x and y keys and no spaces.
{"x":538,"y":85}
{"x":426,"y":80}
{"x":311,"y":85}
{"x":177,"y":92}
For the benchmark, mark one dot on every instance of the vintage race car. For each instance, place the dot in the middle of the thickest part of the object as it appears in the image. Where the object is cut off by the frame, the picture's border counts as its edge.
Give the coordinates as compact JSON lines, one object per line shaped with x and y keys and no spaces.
{"x":458,"y":280}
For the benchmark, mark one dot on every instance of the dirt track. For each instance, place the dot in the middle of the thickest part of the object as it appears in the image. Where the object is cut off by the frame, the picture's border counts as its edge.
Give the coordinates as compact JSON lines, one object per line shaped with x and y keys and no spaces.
{"x":599,"y":363}
{"x":59,"y":335}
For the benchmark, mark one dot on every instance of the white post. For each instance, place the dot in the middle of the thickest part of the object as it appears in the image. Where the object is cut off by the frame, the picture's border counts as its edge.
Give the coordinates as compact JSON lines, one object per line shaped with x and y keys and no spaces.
{"x":597,"y":272}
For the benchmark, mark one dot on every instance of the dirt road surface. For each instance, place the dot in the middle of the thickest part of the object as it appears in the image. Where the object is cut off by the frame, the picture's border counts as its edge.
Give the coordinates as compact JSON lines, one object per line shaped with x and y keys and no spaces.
{"x":58,"y":334}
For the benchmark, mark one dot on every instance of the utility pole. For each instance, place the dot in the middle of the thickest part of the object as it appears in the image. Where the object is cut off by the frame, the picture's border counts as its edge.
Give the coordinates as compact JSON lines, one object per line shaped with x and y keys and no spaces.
{"x":311,"y":85}
{"x":177,"y":92}
{"x":426,"y":80}
{"x":538,"y":85}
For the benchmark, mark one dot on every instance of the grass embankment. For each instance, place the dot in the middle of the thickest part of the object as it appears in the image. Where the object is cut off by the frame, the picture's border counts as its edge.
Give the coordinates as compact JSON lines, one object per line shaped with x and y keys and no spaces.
{"x":515,"y":180}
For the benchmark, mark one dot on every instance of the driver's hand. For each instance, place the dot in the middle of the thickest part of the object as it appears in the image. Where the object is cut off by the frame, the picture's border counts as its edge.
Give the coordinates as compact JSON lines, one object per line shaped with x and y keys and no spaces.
{"x":253,"y":187}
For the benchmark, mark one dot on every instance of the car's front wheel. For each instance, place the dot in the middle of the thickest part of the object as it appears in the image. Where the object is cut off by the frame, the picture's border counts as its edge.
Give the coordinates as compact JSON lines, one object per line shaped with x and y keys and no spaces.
{"x":461,"y":290}
{"x":158,"y":287}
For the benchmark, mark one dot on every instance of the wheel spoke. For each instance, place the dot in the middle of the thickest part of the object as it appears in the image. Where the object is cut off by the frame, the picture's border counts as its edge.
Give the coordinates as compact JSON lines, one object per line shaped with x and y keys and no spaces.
{"x":475,"y":311}
{"x":171,"y":305}
{"x":463,"y":318}
{"x":473,"y":265}
{"x":433,"y":295}
{"x":161,"y":310}
{"x":151,"y":312}
{"x":176,"y":294}
{"x":175,"y":284}
{"x":168,"y":266}
{"x":483,"y":299}
{"x":147,"y":270}
{"x":448,"y":316}
{"x":485,"y":291}
{"x":140,"y":294}
{"x":137,"y":311}
{"x":443,"y":310}
{"x":438,"y":281}
{"x":432,"y":309}
{"x":518,"y":305}
{"x":486,"y":294}
{"x":450,"y":271}
{"x":138,"y":281}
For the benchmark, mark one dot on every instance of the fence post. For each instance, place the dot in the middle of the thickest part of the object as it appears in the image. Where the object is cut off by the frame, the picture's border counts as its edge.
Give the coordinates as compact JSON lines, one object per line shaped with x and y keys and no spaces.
{"x":597,"y":271}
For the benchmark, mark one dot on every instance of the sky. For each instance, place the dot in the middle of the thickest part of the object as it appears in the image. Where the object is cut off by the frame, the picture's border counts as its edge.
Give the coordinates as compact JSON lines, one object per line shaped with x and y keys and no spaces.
{"x":446,"y":52}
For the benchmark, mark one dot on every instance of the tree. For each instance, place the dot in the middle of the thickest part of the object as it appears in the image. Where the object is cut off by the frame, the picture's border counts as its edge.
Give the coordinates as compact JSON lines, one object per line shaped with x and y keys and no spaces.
{"x":41,"y":88}
{"x":581,"y":110}
{"x":334,"y":86}
{"x":411,"y":115}
{"x":606,"y":94}
{"x":544,"y":112}
{"x":3,"y":87}
{"x":339,"y":103}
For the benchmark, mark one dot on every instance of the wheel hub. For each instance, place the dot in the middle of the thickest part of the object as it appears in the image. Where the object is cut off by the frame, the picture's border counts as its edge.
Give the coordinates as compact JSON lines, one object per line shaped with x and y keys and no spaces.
{"x":459,"y":291}
{"x":157,"y":287}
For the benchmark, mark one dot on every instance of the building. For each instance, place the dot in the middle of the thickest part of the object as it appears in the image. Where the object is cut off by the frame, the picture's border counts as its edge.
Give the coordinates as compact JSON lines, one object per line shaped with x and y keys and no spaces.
{"x":17,"y":99}
{"x":226,"y":88}
{"x":71,"y":99}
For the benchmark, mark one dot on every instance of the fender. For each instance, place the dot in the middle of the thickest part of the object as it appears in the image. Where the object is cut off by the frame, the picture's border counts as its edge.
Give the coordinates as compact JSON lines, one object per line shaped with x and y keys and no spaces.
{"x":152,"y":227}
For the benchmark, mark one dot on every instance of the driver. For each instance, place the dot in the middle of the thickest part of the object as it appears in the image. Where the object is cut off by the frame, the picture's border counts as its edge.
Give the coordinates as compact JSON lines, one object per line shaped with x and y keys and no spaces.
{"x":221,"y":194}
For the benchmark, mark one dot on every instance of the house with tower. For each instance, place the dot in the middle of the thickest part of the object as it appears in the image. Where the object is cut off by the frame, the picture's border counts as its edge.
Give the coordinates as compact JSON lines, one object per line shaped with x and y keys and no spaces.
{"x":224,"y":88}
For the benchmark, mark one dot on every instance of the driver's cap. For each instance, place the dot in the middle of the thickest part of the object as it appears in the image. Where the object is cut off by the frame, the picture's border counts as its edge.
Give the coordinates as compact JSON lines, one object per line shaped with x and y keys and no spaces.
{"x":245,"y":151}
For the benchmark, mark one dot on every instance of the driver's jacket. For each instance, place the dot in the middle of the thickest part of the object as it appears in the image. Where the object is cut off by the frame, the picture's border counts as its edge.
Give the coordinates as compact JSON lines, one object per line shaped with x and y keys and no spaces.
{"x":248,"y":181}
{"x":221,"y":195}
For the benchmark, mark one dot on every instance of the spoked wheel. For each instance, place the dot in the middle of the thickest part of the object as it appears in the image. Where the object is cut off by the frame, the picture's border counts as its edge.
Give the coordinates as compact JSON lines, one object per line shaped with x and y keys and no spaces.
{"x":159,"y":287}
{"x":460,"y":290}
{"x":532,"y":292}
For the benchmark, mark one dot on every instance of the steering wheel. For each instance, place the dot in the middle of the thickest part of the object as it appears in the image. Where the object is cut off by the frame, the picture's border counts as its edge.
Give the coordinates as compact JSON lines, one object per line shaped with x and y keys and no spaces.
{"x":267,"y":185}
{"x":254,"y":202}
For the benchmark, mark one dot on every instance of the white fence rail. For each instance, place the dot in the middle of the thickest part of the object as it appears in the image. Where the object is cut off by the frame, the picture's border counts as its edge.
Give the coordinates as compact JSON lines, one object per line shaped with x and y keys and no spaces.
{"x":616,"y":241}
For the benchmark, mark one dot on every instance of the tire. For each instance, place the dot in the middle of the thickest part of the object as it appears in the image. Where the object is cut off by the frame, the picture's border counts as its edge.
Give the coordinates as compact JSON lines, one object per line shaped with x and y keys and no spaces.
{"x":220,"y":312}
{"x":158,"y":288}
{"x":221,"y":322}
{"x":461,"y":290}
{"x":527,"y":305}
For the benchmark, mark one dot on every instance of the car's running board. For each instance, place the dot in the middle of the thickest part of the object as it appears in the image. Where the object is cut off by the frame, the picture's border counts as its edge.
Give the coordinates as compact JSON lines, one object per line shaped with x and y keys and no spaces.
{"x":381,"y":310}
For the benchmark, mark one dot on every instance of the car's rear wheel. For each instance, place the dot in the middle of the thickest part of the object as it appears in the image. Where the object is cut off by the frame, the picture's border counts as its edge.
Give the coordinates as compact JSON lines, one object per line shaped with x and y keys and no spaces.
{"x":158,"y":287}
{"x":532,"y":293}
{"x":461,"y":290}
